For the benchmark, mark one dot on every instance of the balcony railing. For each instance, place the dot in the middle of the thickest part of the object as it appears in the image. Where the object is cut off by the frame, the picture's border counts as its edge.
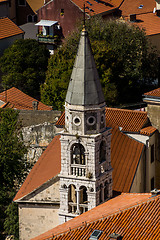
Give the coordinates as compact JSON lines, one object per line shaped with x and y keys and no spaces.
{"x":78,"y":170}
{"x":45,"y":39}
{"x":48,"y":38}
{"x":82,"y":206}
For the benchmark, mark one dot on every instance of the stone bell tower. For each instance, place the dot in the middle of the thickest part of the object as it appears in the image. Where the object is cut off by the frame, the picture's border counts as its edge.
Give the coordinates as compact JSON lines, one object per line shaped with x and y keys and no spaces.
{"x":86,"y":172}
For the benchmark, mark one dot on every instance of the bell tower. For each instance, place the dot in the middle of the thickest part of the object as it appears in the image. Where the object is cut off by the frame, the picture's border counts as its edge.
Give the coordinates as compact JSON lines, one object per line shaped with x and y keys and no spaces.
{"x":86,"y":172}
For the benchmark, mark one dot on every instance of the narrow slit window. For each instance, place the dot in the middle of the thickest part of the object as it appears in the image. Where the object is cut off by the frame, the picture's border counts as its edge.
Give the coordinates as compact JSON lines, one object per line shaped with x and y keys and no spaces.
{"x":62,"y":12}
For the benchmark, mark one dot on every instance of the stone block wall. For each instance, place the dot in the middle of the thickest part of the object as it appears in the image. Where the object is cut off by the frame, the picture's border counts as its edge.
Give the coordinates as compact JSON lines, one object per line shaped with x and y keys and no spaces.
{"x":38,"y":130}
{"x":35,"y":219}
{"x":34,"y":117}
{"x":37,"y":138}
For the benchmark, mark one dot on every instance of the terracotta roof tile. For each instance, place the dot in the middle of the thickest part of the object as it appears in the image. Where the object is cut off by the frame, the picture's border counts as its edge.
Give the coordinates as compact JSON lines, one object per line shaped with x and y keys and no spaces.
{"x":148,"y":131}
{"x":154,"y":93}
{"x":128,"y":120}
{"x":134,"y":216}
{"x":125,"y":155}
{"x":14,"y":98}
{"x":150,"y":22}
{"x":61,"y":120}
{"x":8,"y":28}
{"x":132,"y":7}
{"x":47,"y":167}
{"x":98,"y":6}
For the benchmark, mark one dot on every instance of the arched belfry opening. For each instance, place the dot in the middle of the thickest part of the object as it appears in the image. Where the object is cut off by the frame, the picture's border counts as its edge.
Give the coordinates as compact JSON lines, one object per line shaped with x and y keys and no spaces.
{"x":77,"y":199}
{"x":102,"y":151}
{"x":72,"y":198}
{"x":83,"y":201}
{"x":77,"y":154}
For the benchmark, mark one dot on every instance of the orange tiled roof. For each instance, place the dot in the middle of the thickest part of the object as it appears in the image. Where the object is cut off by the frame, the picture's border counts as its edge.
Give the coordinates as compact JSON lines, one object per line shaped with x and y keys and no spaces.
{"x":125,"y":155}
{"x":148,"y":131}
{"x":14,"y":98}
{"x":154,"y":93}
{"x":150,"y":22}
{"x":128,"y":120}
{"x":8,"y":28}
{"x":61,"y":120}
{"x":35,"y":4}
{"x":43,"y":170}
{"x":132,"y":7}
{"x":98,"y":6}
{"x":133,"y":216}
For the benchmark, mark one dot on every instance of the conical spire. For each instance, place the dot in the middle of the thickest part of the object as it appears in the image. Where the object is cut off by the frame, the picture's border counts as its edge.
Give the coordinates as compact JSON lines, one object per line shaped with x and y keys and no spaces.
{"x":84,"y":87}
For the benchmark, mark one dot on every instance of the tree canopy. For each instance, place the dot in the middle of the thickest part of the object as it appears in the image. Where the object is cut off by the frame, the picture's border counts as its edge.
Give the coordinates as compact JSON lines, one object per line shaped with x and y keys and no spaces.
{"x":23,"y":65}
{"x":126,"y":62}
{"x":13,"y":168}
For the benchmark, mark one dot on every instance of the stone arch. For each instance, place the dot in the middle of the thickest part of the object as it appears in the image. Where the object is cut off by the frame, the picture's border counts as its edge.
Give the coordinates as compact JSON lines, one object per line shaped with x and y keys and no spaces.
{"x":83,"y":199}
{"x":102,"y":151}
{"x":83,"y":194}
{"x":72,"y":193}
{"x":78,"y":154}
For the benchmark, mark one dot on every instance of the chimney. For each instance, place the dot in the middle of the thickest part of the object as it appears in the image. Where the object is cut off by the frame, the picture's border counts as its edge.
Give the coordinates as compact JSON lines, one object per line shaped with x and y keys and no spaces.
{"x":132,"y":17}
{"x":116,"y":236}
{"x":35,"y":105}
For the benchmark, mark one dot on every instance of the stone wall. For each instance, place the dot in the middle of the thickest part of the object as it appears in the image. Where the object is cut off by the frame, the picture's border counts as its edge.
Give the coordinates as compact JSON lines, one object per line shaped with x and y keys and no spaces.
{"x":37,"y":138}
{"x":34,"y":117}
{"x":38,"y":130}
{"x":153,"y":112}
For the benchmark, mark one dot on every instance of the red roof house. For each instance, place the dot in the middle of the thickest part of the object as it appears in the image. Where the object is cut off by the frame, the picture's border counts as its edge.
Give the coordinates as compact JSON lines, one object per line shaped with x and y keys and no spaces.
{"x":9,"y":32}
{"x":14,"y":98}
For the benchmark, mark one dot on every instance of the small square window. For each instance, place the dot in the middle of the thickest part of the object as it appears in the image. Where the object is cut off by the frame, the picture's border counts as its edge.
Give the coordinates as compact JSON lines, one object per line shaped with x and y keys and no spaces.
{"x":95,"y":235}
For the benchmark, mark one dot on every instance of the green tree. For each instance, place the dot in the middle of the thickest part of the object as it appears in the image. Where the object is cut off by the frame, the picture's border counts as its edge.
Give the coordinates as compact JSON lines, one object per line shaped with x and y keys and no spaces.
{"x":125,"y":60}
{"x":23,"y":65}
{"x":13,"y":169}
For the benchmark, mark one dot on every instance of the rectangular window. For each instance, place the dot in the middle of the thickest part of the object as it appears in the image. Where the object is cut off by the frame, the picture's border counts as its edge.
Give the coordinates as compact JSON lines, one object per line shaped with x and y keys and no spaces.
{"x":152,"y":183}
{"x":62,"y":12}
{"x":152,"y":153}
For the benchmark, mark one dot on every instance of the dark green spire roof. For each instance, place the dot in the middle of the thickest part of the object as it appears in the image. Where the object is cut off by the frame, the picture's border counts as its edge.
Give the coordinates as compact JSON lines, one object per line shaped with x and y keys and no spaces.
{"x":84,"y":86}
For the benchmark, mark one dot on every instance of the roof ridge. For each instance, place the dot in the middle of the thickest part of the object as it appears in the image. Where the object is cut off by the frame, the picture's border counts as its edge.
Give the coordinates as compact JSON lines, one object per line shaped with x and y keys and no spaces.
{"x":126,"y":110}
